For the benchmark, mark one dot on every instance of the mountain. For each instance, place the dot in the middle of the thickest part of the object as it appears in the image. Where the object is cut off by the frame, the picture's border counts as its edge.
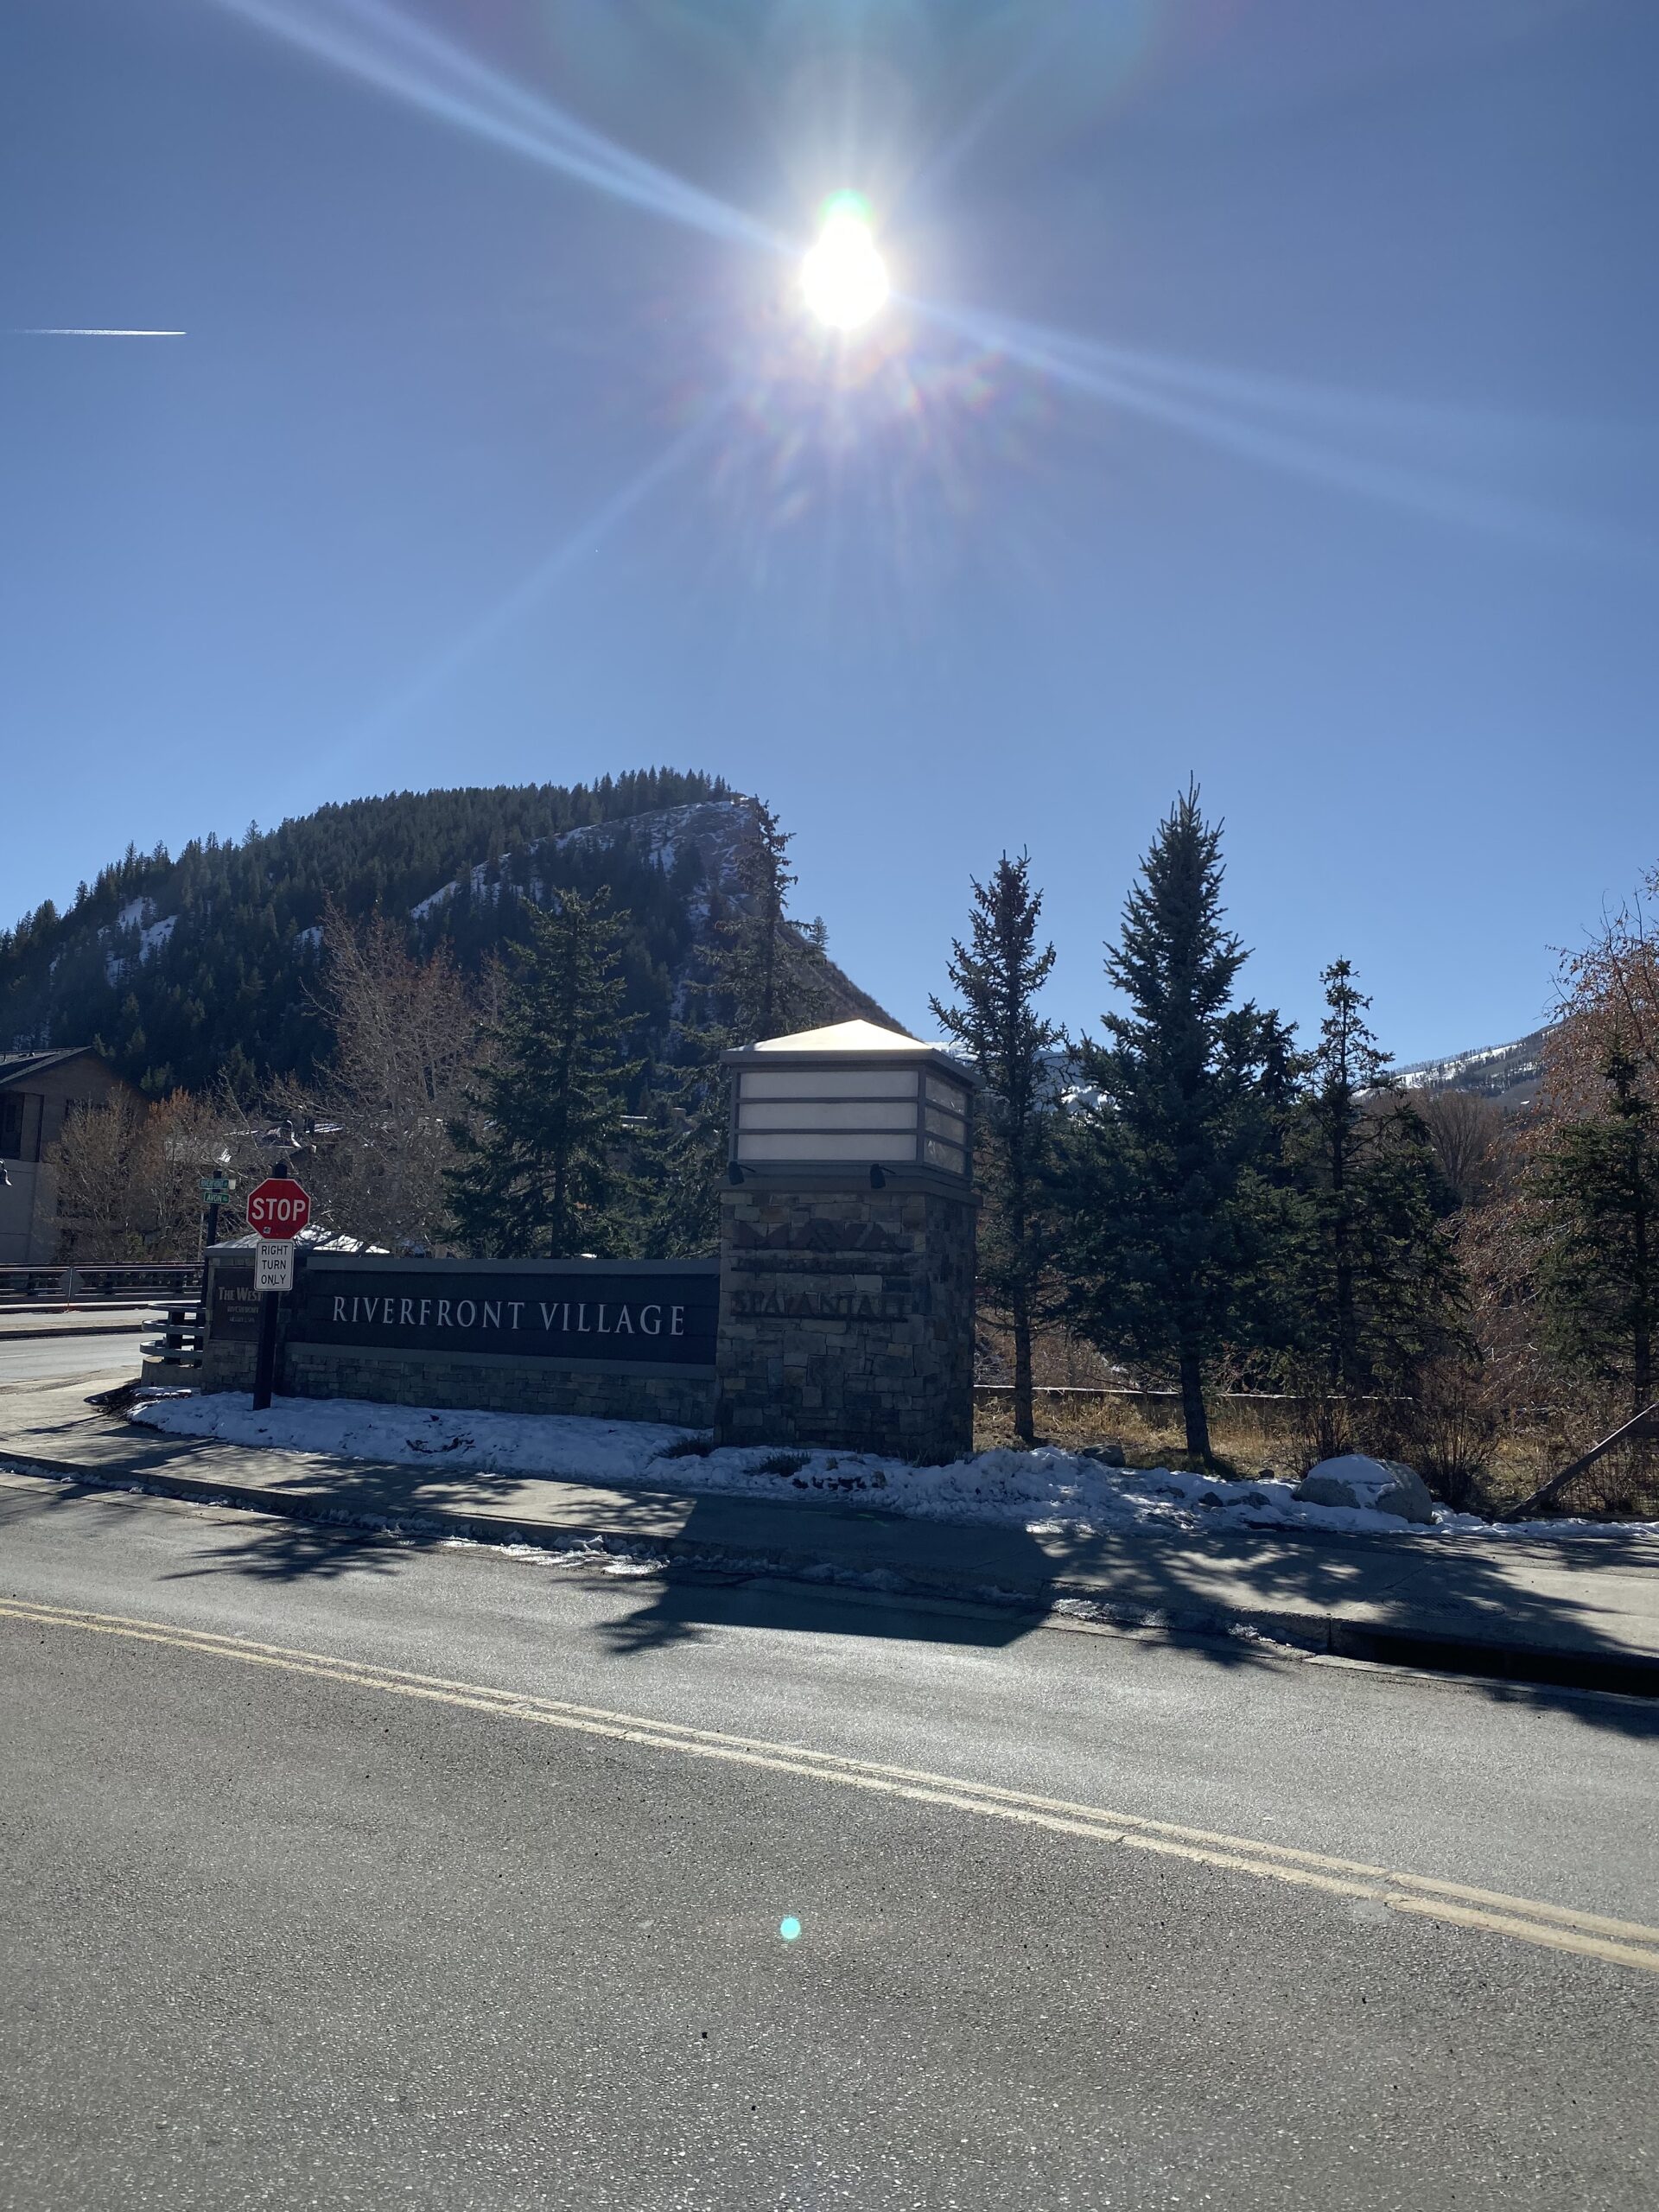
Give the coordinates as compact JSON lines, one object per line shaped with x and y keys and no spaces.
{"x":1508,"y":1073}
{"x":185,"y":970}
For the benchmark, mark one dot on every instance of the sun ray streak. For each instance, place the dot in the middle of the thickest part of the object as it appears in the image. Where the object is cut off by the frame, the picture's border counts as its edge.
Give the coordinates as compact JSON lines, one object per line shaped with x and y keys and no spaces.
{"x":1083,"y":365}
{"x":376,"y":44}
{"x":940,"y":165}
{"x":586,"y":539}
{"x":1299,"y":397}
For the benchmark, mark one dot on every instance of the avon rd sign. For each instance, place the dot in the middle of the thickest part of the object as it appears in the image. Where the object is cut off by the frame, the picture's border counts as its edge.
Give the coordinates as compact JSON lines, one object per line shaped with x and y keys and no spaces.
{"x":278,"y":1207}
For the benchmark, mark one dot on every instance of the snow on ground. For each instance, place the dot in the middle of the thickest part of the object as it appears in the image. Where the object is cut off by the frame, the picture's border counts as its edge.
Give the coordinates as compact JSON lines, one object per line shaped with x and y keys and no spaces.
{"x":1045,"y":1489}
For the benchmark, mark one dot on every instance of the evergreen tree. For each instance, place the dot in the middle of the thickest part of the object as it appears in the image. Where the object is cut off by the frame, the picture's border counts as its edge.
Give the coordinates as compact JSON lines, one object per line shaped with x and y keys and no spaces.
{"x":765,"y":978}
{"x":999,"y":974}
{"x":539,"y":1171}
{"x":1599,"y":1182}
{"x":768,"y":970}
{"x":228,"y":976}
{"x":1160,"y":1178}
{"x":1374,"y":1285}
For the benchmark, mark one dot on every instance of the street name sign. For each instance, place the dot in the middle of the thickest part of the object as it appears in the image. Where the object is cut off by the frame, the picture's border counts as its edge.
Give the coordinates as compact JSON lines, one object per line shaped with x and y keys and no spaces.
{"x":215,"y":1190}
{"x":278,"y":1207}
{"x":273,"y":1264}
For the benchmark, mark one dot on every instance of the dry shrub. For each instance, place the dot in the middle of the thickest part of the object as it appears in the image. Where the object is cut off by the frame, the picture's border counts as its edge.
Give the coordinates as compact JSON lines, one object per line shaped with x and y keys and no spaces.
{"x":1448,"y":1433}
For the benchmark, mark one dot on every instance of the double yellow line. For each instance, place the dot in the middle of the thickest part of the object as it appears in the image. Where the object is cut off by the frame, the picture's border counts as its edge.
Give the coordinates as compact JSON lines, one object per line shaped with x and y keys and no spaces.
{"x":1592,"y":1936}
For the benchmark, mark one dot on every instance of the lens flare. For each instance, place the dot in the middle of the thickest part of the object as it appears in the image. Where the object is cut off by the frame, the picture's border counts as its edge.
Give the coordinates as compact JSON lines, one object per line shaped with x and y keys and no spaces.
{"x":843,"y":278}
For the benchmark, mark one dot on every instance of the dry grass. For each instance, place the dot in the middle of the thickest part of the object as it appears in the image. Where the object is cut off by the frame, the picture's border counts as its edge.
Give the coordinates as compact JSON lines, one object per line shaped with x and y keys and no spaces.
{"x":1477,"y":1457}
{"x":1248,"y":1439}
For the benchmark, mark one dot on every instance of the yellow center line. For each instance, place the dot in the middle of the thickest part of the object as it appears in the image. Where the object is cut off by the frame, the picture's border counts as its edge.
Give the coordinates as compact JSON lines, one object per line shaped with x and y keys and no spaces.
{"x":1620,"y":1943}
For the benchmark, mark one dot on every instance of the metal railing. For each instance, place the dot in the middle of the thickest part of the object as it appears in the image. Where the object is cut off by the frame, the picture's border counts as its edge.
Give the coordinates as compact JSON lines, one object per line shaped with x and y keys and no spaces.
{"x":180,"y":1343}
{"x":1126,"y":1390}
{"x":100,"y":1283}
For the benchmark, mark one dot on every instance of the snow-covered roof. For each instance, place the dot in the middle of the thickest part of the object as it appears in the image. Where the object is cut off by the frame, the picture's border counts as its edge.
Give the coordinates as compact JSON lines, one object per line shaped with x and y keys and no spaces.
{"x":861,"y":1037}
{"x":854,"y":1040}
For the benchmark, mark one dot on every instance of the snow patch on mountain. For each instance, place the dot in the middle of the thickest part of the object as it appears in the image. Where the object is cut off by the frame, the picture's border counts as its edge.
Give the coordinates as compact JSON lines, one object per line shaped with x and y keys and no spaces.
{"x":1508,"y":1072}
{"x":135,"y":921}
{"x":717,"y":829}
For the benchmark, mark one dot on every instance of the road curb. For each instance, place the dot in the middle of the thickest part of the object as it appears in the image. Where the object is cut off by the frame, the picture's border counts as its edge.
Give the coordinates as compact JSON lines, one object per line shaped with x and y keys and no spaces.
{"x":134,"y":1327}
{"x":1321,"y":1635}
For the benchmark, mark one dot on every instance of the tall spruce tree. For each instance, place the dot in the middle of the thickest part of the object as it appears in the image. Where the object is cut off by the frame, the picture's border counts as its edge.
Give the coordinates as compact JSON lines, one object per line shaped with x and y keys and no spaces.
{"x":1599,"y":1183}
{"x":1163,"y":1222}
{"x":538,"y":1173}
{"x":999,"y":974}
{"x":765,"y":978}
{"x":1373,"y":1284}
{"x":768,"y":969}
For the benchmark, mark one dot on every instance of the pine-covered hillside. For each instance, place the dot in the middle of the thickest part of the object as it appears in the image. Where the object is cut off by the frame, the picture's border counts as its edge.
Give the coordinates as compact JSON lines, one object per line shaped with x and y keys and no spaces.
{"x":1508,"y":1073}
{"x":188,"y":970}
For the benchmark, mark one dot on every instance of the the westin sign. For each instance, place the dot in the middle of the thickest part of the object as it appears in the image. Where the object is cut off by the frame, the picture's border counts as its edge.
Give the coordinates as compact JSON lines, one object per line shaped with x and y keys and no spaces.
{"x":602,"y":1313}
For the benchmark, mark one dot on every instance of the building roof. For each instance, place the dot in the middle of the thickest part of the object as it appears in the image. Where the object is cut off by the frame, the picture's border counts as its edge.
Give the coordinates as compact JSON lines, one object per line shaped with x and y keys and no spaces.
{"x":13,"y":1066}
{"x":844,"y":1037}
{"x":855,"y":1040}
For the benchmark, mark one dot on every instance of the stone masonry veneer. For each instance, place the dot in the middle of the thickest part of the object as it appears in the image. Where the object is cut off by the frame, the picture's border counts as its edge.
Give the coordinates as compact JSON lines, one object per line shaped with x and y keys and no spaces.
{"x":847,"y":1314}
{"x":845,"y":1320}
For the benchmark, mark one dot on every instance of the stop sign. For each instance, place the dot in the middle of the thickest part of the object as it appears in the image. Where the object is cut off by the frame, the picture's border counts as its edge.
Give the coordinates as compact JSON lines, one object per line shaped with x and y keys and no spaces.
{"x":278,"y":1207}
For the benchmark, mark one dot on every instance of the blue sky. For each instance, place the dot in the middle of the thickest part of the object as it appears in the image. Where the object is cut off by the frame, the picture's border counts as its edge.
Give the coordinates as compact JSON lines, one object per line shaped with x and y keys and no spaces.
{"x":1269,"y":396}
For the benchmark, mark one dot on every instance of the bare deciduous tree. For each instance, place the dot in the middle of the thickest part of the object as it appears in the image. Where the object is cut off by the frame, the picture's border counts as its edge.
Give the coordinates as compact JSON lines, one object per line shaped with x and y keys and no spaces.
{"x":406,"y":1035}
{"x":1467,"y":1134}
{"x":1608,"y":1000}
{"x":129,"y":1176}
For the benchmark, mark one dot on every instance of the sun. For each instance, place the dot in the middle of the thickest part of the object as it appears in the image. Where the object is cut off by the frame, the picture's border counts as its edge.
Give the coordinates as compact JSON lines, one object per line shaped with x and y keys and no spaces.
{"x":843,"y":278}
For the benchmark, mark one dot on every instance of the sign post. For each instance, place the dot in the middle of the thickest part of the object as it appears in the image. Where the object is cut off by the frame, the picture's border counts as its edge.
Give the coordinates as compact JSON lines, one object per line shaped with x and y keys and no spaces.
{"x":215,"y":1193}
{"x":277,"y":1209}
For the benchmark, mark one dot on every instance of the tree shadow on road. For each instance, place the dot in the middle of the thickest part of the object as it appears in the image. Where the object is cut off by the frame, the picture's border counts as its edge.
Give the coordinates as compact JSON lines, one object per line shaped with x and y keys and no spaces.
{"x":1442,"y":1603}
{"x":685,"y":1603}
{"x":1518,"y":1617}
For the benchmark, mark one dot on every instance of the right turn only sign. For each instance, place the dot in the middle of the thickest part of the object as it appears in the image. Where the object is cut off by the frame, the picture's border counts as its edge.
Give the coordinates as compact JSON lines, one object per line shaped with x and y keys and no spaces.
{"x":273,"y":1264}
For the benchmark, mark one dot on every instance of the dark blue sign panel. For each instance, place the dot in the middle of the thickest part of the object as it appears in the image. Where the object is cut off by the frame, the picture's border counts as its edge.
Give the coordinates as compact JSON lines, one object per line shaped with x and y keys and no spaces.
{"x":605,"y":1317}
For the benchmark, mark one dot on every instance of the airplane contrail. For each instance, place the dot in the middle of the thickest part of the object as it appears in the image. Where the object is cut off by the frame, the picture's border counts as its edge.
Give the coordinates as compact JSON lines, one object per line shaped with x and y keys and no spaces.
{"x":57,"y":331}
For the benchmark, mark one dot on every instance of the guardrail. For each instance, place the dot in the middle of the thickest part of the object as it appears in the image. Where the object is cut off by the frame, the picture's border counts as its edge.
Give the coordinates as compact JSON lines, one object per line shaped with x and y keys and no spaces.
{"x":179,"y":1345}
{"x":102,"y":1282}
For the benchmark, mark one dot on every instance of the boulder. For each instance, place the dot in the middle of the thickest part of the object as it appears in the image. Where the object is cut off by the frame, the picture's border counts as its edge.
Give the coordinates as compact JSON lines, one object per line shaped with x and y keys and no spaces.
{"x":1108,"y":1455}
{"x":1368,"y":1485}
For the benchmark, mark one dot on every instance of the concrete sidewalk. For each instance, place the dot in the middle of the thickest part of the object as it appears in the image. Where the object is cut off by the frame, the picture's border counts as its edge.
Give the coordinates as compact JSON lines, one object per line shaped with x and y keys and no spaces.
{"x":1582,"y":1610}
{"x":24,"y":1324}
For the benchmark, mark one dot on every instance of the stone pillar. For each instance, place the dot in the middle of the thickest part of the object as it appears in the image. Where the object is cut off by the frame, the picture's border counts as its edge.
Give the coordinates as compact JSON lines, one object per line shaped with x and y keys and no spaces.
{"x":847,"y":1314}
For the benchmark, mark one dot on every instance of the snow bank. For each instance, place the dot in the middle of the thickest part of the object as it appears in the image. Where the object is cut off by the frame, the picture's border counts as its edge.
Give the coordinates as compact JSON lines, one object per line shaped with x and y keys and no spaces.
{"x":1046,"y":1489}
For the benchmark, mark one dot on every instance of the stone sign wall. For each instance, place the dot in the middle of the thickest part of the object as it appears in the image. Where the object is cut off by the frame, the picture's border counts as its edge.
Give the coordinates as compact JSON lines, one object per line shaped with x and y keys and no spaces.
{"x":639,"y":1318}
{"x":847,"y":1314}
{"x":840,"y":1313}
{"x":620,"y":1339}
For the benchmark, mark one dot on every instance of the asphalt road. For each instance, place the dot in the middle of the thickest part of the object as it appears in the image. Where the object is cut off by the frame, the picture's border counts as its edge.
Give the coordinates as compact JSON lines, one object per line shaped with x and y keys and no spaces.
{"x":109,"y":1357}
{"x":369,"y":1925}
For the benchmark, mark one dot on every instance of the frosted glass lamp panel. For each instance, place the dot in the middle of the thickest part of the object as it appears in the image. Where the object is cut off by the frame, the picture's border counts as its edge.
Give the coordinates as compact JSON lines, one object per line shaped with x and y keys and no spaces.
{"x":940,"y":1155}
{"x":814,"y":1146}
{"x":946,"y":1095}
{"x":828,"y":1083}
{"x":944,"y":1125}
{"x":819,"y":1114}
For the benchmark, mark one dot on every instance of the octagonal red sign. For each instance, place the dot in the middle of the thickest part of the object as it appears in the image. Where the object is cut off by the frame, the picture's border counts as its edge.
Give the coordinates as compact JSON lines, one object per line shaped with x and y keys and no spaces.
{"x":278,"y":1207}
